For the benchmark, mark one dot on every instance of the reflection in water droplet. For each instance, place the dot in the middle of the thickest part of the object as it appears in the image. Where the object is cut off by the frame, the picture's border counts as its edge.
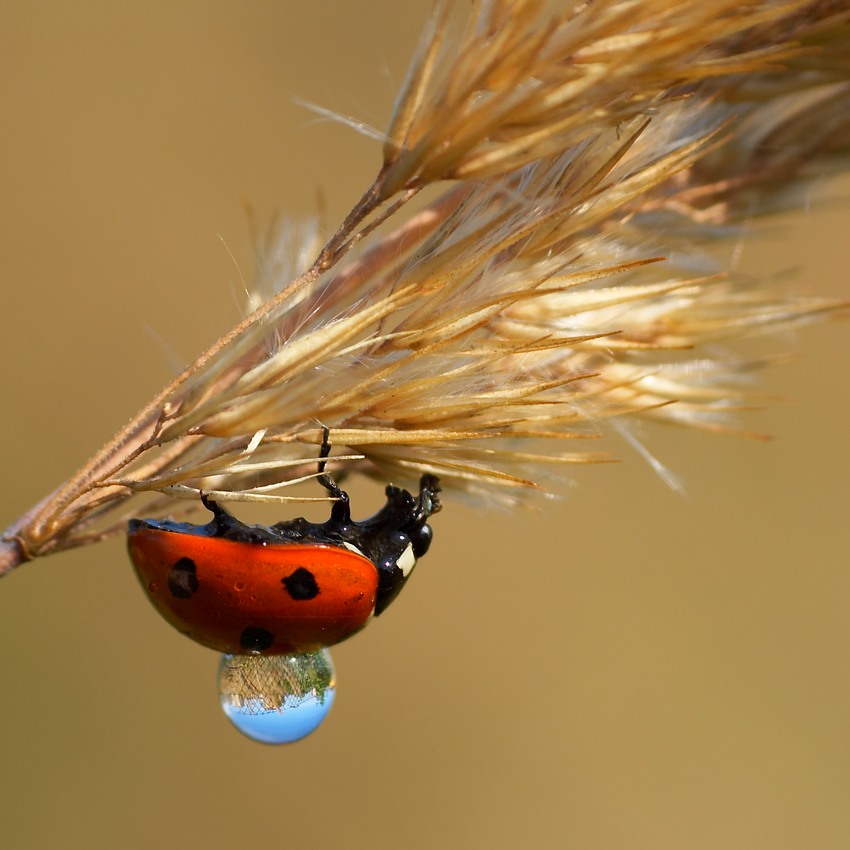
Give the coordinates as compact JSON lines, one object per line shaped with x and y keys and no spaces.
{"x":277,"y":699}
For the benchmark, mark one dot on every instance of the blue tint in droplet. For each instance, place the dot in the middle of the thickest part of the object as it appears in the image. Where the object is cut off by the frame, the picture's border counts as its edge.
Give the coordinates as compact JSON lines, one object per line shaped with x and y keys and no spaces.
{"x":277,"y":699}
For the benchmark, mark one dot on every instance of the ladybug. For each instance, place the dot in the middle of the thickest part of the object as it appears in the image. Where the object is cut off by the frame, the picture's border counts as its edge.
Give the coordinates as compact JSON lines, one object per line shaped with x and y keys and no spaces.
{"x":293,"y":587}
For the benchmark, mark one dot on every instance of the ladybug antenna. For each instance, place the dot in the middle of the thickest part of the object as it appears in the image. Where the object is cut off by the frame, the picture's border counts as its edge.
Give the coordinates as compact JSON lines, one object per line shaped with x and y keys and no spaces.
{"x":340,"y":511}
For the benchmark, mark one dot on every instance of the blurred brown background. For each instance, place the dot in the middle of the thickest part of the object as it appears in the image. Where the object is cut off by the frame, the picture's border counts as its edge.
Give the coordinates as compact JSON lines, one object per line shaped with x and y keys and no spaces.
{"x":627,"y":669}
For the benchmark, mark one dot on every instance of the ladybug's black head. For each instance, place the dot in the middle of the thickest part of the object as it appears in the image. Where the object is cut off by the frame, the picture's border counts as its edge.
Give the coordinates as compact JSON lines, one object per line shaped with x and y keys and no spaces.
{"x":397,"y":535}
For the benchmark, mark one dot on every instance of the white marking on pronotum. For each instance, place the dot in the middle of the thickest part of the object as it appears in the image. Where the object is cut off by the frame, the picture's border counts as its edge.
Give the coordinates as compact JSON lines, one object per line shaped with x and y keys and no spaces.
{"x":406,"y":560}
{"x":352,"y":548}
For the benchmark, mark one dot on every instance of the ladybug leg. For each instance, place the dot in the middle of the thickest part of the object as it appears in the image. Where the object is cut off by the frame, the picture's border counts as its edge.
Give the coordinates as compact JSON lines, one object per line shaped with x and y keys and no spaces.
{"x":223,"y":522}
{"x":429,"y":501}
{"x":341,"y":510}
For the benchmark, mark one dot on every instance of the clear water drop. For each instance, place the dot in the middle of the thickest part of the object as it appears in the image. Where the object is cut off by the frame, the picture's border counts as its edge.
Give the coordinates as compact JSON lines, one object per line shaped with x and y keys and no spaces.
{"x":277,"y":699}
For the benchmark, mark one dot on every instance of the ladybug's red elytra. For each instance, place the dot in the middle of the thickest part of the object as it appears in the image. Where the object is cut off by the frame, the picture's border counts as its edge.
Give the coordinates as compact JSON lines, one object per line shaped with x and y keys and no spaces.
{"x":295,"y":586}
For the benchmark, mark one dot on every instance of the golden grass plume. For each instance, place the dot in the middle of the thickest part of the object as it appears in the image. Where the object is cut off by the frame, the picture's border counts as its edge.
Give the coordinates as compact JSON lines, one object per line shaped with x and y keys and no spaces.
{"x":577,"y":159}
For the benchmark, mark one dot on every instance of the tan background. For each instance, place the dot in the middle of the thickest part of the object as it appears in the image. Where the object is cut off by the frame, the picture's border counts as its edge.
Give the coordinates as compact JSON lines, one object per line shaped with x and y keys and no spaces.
{"x":628,"y":669}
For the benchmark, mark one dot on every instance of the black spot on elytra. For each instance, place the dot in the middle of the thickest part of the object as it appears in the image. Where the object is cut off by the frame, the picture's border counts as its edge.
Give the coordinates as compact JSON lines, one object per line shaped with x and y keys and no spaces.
{"x":301,"y":585}
{"x":182,"y":581}
{"x":255,"y":639}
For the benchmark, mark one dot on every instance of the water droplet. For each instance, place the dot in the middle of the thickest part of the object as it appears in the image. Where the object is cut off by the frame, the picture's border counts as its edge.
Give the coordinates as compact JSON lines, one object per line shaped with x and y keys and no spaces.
{"x":277,"y":699}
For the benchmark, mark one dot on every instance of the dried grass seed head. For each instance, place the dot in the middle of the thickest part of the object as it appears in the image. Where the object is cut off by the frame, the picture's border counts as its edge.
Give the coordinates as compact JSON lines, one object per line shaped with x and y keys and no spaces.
{"x":524,"y":305}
